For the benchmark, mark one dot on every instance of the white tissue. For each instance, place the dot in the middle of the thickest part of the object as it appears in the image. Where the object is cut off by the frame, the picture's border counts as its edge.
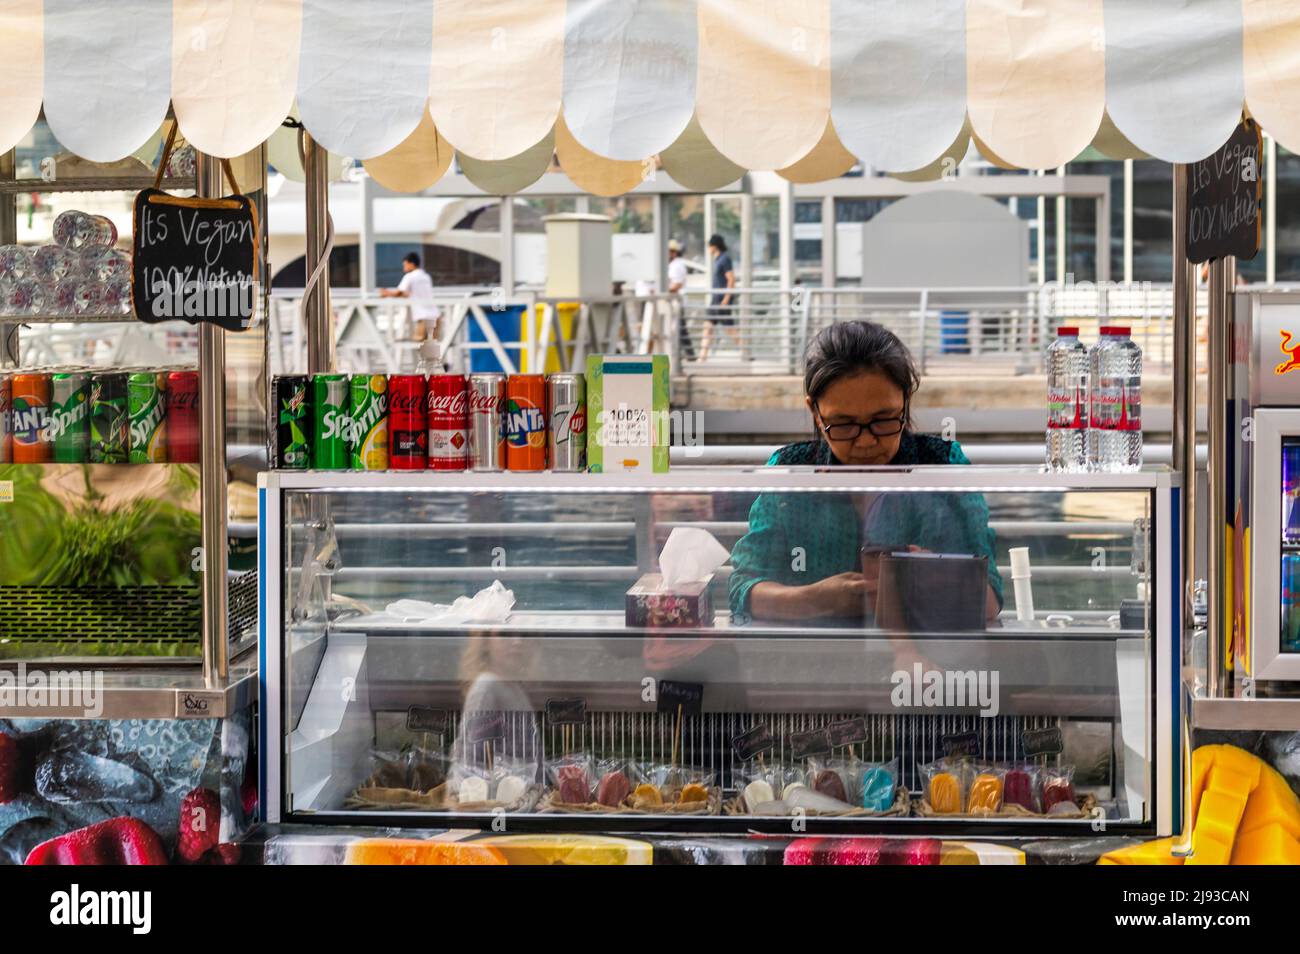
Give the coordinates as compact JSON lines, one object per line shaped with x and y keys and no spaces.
{"x":690,"y":555}
{"x":492,"y":604}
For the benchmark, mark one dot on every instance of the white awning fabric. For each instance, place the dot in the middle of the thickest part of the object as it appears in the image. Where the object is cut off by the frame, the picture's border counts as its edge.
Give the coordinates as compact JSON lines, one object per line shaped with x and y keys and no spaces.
{"x":626,"y":85}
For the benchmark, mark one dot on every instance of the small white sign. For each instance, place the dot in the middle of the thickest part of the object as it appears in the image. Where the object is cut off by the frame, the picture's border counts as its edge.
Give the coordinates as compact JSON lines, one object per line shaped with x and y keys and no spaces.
{"x":6,"y":491}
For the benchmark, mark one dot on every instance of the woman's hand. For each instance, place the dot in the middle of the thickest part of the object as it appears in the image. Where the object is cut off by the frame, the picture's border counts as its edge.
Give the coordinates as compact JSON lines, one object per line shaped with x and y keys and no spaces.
{"x":841,"y":595}
{"x":844,"y":594}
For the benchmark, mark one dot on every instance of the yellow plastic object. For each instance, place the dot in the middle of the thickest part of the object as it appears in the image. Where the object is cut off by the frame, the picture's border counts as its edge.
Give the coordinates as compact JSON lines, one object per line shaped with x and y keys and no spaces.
{"x":978,"y":853}
{"x":985,"y":793}
{"x":567,"y":313}
{"x":1244,"y":814}
{"x":945,"y":793}
{"x":413,"y":851}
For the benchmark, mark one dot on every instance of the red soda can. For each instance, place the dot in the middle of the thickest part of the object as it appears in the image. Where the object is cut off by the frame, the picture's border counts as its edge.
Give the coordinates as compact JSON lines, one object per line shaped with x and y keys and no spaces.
{"x":448,"y":410}
{"x":525,"y":422}
{"x":407,"y":422}
{"x":183,"y":417}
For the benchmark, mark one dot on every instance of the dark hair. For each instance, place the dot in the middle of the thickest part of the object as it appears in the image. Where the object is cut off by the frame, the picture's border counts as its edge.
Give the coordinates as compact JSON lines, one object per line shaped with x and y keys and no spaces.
{"x":412,"y":257}
{"x":718,"y":242}
{"x":852,"y":347}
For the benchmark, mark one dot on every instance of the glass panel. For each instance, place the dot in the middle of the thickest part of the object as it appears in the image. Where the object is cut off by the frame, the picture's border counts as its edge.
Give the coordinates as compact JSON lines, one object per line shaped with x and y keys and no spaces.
{"x":900,"y":617}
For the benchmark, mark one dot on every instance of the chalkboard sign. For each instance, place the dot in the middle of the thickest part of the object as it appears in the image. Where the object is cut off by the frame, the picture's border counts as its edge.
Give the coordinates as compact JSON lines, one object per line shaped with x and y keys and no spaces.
{"x":1223,"y":196}
{"x":566,"y":711}
{"x":425,"y":719}
{"x":960,"y":743}
{"x":848,"y":732}
{"x":1042,"y":741}
{"x":688,"y":695}
{"x":482,"y":726}
{"x":805,"y":744}
{"x":753,"y":741}
{"x":194,"y":259}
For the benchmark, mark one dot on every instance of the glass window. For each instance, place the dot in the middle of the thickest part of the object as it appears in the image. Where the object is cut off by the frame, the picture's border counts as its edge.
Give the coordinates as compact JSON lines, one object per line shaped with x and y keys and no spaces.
{"x":1288,"y":216}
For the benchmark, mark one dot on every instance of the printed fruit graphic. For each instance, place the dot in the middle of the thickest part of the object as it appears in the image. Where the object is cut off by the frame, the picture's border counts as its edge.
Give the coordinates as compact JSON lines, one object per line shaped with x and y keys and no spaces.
{"x":412,"y":851}
{"x":118,"y":841}
{"x":569,"y":849}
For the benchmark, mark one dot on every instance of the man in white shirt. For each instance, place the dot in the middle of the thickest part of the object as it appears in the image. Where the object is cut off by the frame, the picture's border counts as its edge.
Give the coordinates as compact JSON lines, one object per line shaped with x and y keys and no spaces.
{"x":417,"y":286}
{"x":677,"y":272}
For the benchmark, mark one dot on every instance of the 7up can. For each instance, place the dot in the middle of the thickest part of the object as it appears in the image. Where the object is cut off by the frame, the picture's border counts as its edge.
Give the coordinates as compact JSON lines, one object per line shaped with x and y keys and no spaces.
{"x":290,"y":407}
{"x":70,"y":417}
{"x":146,"y":398}
{"x":110,"y":423}
{"x":331,"y":423}
{"x":368,"y":439}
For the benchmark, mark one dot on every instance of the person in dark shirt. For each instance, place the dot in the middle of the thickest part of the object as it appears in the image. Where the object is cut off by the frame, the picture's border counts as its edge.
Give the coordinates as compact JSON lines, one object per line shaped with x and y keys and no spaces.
{"x":722,"y":302}
{"x":858,"y":383}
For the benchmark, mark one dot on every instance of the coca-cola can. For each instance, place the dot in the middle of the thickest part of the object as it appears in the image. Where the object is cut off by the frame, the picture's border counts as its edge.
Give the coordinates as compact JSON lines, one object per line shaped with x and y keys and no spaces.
{"x":487,"y":436}
{"x":408,"y":428}
{"x":448,"y":413}
{"x":566,"y":410}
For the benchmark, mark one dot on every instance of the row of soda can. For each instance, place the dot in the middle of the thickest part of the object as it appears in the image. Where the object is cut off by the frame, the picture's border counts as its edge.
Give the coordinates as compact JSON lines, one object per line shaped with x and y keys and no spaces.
{"x":486,"y":422}
{"x":80,"y":415}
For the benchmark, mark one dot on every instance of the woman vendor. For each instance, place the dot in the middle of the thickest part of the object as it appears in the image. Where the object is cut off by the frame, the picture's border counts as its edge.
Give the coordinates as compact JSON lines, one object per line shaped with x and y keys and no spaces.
{"x":803,"y":555}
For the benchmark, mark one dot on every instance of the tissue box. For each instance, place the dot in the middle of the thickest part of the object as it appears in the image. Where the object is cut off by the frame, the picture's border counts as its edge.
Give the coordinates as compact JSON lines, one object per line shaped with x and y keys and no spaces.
{"x":652,"y":605}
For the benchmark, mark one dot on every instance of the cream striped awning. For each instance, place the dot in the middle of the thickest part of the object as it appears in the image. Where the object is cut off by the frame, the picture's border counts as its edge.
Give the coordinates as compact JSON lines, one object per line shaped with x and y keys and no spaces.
{"x":617,"y":88}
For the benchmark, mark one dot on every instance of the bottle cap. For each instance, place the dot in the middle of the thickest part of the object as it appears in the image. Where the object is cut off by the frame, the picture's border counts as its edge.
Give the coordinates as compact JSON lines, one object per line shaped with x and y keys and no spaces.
{"x":1067,"y":331}
{"x":1114,"y":331}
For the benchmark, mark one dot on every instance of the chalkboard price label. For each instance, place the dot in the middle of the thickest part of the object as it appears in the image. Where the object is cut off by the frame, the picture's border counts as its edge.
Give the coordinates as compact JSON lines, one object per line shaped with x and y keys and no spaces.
{"x":194,"y":259}
{"x":566,"y":711}
{"x":688,"y":695}
{"x":961,"y":743}
{"x":426,"y":719}
{"x":1224,"y":192}
{"x":482,"y":726}
{"x":1042,"y":741}
{"x":848,"y":732}
{"x":753,"y":741}
{"x":806,"y":744}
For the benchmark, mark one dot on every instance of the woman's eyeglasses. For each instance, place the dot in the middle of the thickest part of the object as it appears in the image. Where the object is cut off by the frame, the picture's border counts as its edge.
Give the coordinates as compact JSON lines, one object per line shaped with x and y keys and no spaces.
{"x":852,"y":430}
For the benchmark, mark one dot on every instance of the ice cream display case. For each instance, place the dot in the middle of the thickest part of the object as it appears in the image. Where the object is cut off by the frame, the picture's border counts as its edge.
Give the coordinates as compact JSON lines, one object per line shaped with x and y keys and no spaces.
{"x":933,"y":649}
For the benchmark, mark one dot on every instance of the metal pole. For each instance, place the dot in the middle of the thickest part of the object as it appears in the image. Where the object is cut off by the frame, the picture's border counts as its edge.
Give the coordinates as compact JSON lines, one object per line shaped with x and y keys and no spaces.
{"x":1221,"y":286}
{"x":366,"y":245}
{"x":212,"y":473}
{"x":1184,"y":449}
{"x":1270,"y":209}
{"x":10,"y":346}
{"x":828,"y":242}
{"x":659,"y":227}
{"x":507,"y":228}
{"x":786,"y":235}
{"x":1128,"y":222}
{"x":319,"y":315}
{"x":746,"y":239}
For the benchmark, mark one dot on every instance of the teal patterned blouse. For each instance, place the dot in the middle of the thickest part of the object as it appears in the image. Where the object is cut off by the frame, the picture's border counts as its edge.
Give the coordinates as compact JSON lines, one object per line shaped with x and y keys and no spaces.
{"x":830,"y":533}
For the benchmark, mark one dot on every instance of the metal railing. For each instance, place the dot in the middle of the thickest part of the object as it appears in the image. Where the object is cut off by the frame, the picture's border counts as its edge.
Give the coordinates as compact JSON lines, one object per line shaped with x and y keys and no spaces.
{"x":948,"y":330}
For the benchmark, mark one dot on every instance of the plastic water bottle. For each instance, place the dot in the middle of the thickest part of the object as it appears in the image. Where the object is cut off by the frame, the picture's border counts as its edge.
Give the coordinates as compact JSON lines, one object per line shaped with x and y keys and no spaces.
{"x":1115,"y":402}
{"x":1067,"y":402}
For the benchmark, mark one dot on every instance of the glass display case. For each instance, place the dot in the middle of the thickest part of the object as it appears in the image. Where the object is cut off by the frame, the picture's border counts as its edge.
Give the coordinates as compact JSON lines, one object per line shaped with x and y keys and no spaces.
{"x":972,"y":649}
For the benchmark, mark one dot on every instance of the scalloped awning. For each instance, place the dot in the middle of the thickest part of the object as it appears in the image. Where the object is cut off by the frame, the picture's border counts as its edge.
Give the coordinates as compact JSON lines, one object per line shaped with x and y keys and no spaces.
{"x":707,"y":86}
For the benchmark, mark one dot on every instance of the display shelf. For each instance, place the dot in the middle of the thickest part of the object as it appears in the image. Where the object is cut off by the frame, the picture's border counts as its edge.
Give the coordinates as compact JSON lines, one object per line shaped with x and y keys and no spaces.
{"x":69,"y":319}
{"x":138,"y":691}
{"x":132,"y":183}
{"x":1263,"y":715}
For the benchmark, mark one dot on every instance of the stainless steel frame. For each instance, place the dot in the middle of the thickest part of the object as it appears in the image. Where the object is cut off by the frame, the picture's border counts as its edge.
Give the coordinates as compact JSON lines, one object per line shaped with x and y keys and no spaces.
{"x":1266,"y":659}
{"x":1159,"y":704}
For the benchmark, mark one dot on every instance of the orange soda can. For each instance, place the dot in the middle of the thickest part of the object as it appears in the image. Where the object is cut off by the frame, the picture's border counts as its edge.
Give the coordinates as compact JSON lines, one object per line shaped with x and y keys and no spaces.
{"x":525,"y":422}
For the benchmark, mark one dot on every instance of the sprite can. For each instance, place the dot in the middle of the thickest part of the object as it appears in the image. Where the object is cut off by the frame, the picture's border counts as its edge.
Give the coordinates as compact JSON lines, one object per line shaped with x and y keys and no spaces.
{"x":330,"y":421}
{"x":368,"y":437}
{"x":109,"y":421}
{"x":292,"y":422}
{"x":146,"y":398}
{"x":70,"y":417}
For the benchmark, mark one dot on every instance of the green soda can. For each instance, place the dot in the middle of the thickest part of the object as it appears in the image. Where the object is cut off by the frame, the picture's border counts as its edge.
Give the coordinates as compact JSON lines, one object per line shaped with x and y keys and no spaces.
{"x":146,"y":398}
{"x":368,"y":437}
{"x":291,"y":406}
{"x":70,"y":417}
{"x":331,"y":422}
{"x":110,"y":423}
